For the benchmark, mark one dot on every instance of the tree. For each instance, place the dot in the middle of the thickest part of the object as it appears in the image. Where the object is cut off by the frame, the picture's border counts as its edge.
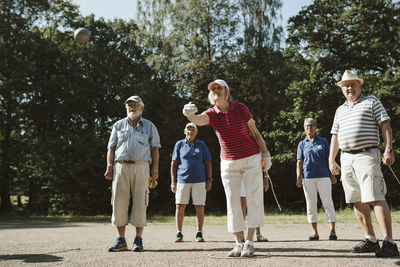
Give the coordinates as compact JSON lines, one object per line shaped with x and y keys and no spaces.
{"x":328,"y":37}
{"x":16,"y":67}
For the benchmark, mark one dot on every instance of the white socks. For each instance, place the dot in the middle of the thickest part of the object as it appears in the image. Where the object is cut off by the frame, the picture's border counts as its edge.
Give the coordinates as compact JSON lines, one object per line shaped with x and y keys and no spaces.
{"x":248,"y":242}
{"x":371,"y":238}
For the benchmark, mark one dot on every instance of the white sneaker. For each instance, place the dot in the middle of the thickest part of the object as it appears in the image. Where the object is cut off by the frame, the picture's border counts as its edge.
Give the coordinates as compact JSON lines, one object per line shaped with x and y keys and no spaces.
{"x":247,"y":251}
{"x":235,"y":252}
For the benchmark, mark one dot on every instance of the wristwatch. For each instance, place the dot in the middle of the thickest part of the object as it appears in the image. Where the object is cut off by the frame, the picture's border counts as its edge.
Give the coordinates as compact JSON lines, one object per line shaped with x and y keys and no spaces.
{"x":209,"y":179}
{"x":388,"y":150}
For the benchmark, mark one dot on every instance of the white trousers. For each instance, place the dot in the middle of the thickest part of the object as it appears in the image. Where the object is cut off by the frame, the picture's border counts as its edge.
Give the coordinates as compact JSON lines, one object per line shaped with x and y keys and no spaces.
{"x":233,"y":172}
{"x":311,"y":189}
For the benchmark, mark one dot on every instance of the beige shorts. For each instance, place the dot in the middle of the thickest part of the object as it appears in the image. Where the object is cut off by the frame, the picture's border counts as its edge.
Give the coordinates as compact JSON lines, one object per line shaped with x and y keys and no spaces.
{"x":198,"y":191}
{"x":130,"y":180}
{"x":362,"y":177}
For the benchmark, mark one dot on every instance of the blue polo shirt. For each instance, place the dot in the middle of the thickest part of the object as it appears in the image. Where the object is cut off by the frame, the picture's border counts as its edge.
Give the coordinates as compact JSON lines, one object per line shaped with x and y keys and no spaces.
{"x":191,"y":168}
{"x":315,"y":157}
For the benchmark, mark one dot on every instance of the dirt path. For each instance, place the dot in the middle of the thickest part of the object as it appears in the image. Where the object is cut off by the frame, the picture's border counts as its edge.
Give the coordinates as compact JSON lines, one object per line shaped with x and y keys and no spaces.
{"x":86,"y":244}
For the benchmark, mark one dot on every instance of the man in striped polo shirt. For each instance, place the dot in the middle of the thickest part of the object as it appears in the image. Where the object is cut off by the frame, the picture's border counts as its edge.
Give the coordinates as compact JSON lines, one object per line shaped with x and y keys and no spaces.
{"x":355,"y":131}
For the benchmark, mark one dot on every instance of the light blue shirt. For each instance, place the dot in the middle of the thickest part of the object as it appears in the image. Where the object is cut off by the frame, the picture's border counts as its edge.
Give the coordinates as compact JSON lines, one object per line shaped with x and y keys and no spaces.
{"x":133,"y":144}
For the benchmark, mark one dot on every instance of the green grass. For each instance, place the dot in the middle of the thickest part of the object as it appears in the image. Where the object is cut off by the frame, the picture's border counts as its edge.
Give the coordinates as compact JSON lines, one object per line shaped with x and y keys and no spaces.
{"x":343,"y":216}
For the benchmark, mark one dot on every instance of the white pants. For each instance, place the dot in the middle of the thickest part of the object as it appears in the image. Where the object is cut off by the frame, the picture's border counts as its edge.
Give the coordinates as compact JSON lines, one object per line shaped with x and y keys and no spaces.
{"x":250,"y":171}
{"x":311,"y":189}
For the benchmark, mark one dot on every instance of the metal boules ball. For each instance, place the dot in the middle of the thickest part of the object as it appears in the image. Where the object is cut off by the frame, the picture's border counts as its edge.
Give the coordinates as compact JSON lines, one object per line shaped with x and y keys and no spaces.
{"x":82,"y":35}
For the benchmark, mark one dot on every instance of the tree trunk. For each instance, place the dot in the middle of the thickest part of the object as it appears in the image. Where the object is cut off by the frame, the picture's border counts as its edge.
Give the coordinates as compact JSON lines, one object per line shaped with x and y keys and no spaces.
{"x":5,"y":204}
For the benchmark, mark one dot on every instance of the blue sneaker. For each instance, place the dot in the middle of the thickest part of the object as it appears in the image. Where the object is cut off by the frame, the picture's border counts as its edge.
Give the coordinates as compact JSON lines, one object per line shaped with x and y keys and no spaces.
{"x":119,"y":245}
{"x":138,"y":244}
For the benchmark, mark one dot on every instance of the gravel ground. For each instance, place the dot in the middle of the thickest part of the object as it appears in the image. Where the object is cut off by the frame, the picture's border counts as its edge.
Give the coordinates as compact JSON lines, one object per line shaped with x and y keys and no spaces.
{"x":86,"y":244}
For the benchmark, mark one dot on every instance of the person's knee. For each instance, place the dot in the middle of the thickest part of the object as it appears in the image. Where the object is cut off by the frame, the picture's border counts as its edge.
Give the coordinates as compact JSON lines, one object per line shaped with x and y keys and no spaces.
{"x":180,"y":206}
{"x":358,"y":205}
{"x":381,"y":203}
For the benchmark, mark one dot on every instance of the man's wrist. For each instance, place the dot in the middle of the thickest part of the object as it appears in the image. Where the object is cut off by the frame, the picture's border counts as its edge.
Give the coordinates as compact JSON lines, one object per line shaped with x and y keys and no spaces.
{"x":209,"y":179}
{"x":110,"y":165}
{"x":390,"y":150}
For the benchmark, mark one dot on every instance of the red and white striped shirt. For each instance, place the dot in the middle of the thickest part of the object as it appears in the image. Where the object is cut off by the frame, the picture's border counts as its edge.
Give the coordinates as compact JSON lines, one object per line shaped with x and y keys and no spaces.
{"x":232,"y":131}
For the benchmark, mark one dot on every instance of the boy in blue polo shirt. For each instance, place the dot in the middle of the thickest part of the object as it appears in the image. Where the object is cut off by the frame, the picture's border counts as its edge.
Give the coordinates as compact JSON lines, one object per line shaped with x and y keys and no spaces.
{"x":191,"y":173}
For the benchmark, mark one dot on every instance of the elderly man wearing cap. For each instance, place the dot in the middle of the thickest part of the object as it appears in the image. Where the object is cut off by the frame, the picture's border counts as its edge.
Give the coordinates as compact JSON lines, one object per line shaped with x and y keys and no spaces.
{"x":133,"y":147}
{"x":242,"y":150}
{"x":191,"y":173}
{"x":355,"y":131}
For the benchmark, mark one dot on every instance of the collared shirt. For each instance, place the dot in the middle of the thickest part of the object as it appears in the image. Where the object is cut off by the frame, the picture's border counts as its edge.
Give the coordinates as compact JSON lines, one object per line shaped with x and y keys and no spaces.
{"x":133,"y":144}
{"x":315,"y":157}
{"x":191,"y":167}
{"x":357,"y":126}
{"x":232,"y":131}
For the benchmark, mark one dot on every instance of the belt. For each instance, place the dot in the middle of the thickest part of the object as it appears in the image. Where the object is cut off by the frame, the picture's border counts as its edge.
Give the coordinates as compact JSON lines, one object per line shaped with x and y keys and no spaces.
{"x":132,"y":161}
{"x":359,"y":150}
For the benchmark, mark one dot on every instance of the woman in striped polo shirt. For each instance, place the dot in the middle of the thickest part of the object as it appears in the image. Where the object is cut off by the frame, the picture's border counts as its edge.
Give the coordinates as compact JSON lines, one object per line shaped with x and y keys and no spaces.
{"x":242,"y":149}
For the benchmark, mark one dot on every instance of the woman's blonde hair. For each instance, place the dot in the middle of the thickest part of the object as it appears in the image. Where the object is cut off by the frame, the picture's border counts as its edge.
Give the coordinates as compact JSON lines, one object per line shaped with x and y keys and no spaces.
{"x":228,"y":96}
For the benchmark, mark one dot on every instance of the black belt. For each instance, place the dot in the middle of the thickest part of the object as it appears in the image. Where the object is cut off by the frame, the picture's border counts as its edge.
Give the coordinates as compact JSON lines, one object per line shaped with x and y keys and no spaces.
{"x":359,"y":150}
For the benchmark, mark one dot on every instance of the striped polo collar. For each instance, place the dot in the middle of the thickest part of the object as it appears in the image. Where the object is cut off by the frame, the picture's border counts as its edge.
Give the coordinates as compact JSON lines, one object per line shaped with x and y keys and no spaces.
{"x":361,"y":98}
{"x":232,"y":106}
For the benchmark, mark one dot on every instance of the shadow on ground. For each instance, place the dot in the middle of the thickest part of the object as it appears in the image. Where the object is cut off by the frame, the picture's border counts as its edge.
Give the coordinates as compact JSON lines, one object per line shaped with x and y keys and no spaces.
{"x":31,"y":258}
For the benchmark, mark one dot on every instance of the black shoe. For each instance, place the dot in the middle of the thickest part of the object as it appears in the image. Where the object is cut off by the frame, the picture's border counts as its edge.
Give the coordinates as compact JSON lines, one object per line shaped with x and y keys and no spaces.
{"x":332,"y":236}
{"x":388,"y":250}
{"x":313,"y":238}
{"x":199,"y":237}
{"x":366,"y":246}
{"x":179,"y":237}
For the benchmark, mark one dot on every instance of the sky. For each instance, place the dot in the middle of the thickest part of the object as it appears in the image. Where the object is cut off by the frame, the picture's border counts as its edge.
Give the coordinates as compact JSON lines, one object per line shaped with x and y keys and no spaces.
{"x":125,"y":9}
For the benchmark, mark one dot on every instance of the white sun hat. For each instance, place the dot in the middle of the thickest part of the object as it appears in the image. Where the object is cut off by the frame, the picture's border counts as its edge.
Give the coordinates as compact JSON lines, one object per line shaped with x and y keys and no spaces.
{"x":218,"y":81}
{"x":349,"y":75}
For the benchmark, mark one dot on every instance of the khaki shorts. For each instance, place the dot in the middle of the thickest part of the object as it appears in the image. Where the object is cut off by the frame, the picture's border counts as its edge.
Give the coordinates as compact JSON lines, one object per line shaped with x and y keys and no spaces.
{"x":362,"y":177}
{"x":198,"y":190}
{"x":130,"y":180}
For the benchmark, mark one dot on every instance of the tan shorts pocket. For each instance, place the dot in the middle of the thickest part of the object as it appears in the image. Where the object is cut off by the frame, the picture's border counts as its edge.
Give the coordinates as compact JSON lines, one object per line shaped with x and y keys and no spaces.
{"x":379,"y":186}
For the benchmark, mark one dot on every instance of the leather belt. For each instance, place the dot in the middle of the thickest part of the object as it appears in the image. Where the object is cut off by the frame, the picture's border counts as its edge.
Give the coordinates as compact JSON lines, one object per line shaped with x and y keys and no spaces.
{"x":359,"y":150}
{"x":132,"y":161}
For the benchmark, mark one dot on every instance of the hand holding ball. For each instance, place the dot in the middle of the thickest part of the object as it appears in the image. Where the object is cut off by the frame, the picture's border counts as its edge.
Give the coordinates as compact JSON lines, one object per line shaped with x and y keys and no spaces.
{"x":152,"y":183}
{"x":82,"y":35}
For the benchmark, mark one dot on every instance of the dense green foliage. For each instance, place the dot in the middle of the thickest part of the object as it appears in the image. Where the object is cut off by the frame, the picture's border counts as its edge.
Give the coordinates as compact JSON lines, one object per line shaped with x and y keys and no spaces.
{"x":59,"y":99}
